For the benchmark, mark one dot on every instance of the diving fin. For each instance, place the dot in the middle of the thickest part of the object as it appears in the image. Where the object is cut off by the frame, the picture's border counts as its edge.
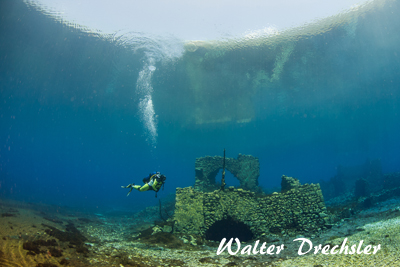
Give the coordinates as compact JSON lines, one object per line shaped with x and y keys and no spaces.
{"x":129,"y":191}
{"x":128,"y":186}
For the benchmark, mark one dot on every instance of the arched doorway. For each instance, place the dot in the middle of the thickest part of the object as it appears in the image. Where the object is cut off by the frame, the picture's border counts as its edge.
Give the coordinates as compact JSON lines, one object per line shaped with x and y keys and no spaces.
{"x":229,"y":228}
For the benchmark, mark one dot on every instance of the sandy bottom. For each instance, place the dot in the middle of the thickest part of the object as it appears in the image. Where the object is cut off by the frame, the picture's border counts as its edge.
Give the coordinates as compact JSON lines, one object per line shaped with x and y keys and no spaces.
{"x":40,"y":235}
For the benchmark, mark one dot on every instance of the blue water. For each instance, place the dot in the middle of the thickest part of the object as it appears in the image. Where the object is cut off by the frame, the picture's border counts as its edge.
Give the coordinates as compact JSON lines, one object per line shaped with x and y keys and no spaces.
{"x":74,"y":127}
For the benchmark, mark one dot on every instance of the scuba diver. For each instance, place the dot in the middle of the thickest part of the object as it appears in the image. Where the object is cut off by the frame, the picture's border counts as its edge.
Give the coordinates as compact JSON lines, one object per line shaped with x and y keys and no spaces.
{"x":152,"y":182}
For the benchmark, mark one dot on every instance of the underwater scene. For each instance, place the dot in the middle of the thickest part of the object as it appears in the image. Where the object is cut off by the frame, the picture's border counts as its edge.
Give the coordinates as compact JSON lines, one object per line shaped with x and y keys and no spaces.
{"x":278,"y":147}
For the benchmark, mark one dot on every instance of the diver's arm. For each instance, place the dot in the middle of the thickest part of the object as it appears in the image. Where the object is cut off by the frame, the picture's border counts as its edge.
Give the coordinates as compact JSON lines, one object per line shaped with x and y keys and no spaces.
{"x":155,"y":183}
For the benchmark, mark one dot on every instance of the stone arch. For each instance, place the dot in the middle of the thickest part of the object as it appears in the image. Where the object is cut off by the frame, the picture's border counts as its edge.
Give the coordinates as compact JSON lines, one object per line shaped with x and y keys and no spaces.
{"x":230,"y":179}
{"x":228,"y":228}
{"x":245,"y":168}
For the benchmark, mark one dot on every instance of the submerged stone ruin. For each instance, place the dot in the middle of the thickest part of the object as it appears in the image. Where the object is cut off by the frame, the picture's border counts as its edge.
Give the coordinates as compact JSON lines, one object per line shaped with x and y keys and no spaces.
{"x":358,"y":180}
{"x":245,"y":168}
{"x":245,"y":213}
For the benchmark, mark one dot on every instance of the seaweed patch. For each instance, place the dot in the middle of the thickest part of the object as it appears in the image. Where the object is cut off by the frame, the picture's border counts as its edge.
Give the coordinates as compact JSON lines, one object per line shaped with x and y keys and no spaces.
{"x":8,"y":215}
{"x":36,"y":247}
{"x":71,"y":235}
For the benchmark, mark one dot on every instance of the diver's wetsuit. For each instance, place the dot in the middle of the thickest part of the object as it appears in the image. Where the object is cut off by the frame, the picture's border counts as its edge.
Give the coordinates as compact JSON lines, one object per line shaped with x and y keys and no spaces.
{"x":153,"y":182}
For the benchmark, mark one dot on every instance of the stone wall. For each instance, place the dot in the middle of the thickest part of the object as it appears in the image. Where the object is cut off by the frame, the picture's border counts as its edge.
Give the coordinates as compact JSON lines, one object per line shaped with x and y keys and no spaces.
{"x":298,"y":210}
{"x":245,"y":168}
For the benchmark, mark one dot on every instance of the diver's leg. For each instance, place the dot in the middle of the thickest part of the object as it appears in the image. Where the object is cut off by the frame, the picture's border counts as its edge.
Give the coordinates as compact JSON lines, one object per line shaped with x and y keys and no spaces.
{"x":143,"y":188}
{"x":137,"y":187}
